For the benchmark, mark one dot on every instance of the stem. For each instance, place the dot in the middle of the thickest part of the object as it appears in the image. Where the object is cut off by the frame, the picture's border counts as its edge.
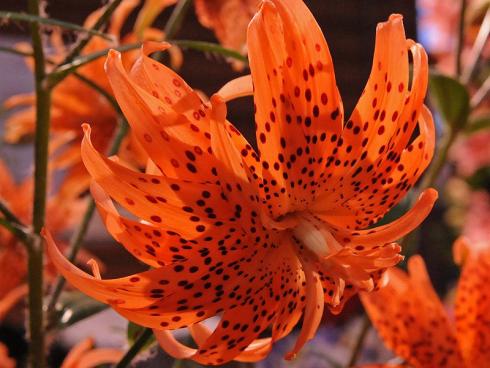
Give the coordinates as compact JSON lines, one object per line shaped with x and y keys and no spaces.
{"x":17,"y":230}
{"x":135,"y":348}
{"x":101,"y":22}
{"x":35,"y":253}
{"x":6,"y":15}
{"x":9,"y":216}
{"x":478,"y":46}
{"x":356,"y":351}
{"x":175,"y":21}
{"x":481,"y":94}
{"x":77,"y":237}
{"x":460,"y":45}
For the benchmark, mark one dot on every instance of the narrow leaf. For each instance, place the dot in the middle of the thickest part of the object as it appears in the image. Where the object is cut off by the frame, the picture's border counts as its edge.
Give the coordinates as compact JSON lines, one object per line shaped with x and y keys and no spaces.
{"x":210,"y":47}
{"x":52,"y":22}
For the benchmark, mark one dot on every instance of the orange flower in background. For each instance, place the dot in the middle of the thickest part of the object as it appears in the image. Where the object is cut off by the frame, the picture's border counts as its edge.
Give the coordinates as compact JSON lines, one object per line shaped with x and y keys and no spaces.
{"x":73,"y":103}
{"x":13,"y":259}
{"x":83,"y":355}
{"x":413,"y":322}
{"x":228,"y":19}
{"x":260,"y":238}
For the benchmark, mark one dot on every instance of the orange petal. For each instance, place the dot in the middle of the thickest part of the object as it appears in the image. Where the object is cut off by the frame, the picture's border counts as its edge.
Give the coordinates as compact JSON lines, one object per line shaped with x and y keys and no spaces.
{"x":378,"y":166}
{"x":228,"y":19}
{"x":412,"y":320}
{"x":296,"y":99}
{"x":131,"y":292}
{"x":5,"y":360}
{"x":471,"y":310}
{"x":148,"y":13}
{"x":395,"y":230}
{"x":239,"y":87}
{"x":10,"y":300}
{"x":77,"y":352}
{"x":177,"y":205}
{"x":313,"y":310}
{"x":175,"y":133}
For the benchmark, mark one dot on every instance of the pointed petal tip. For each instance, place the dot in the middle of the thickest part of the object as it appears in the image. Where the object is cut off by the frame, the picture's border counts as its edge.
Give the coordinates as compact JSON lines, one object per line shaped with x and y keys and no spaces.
{"x":149,"y":47}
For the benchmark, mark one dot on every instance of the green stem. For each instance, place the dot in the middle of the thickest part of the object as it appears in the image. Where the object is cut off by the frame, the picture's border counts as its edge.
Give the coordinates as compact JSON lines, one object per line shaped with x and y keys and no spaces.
{"x":36,"y":252}
{"x":9,"y":215}
{"x":460,"y":44}
{"x":357,"y":350}
{"x":17,"y":230}
{"x":135,"y":348}
{"x":30,"y":18}
{"x":477,"y":49}
{"x":101,"y":22}
{"x":77,"y":237}
{"x":176,"y":18}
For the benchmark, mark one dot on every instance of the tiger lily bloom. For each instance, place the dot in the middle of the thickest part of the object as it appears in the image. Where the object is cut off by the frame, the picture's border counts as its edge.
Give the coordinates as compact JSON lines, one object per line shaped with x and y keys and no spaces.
{"x":262,"y":237}
{"x":413,"y":322}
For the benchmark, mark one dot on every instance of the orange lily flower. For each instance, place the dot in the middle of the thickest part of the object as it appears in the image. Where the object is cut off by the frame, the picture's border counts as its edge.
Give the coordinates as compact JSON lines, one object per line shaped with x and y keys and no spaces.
{"x":260,"y":238}
{"x":413,"y":322}
{"x":61,"y":214}
{"x":74,"y":102}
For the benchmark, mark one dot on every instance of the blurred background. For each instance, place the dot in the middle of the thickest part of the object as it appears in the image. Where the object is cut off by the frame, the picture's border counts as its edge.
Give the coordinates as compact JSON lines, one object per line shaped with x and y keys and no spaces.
{"x":349,"y":27}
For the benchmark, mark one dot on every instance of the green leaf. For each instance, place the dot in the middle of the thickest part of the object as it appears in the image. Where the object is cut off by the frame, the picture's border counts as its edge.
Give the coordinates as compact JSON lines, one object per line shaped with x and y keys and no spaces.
{"x":210,"y":47}
{"x":478,"y":123}
{"x":52,"y":22}
{"x":451,"y":99}
{"x":135,"y":331}
{"x":73,"y":307}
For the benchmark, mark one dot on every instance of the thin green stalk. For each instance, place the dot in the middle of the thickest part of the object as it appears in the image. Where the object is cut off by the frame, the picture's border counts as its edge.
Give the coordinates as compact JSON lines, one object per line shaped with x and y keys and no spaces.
{"x":101,"y":22}
{"x":17,"y":230}
{"x":36,"y":252}
{"x":176,"y":18}
{"x":9,"y":215}
{"x":30,"y":18}
{"x":460,"y":44}
{"x":135,"y":349}
{"x":477,"y":49}
{"x":210,"y":47}
{"x":77,"y":238}
{"x":359,"y":343}
{"x":481,"y":94}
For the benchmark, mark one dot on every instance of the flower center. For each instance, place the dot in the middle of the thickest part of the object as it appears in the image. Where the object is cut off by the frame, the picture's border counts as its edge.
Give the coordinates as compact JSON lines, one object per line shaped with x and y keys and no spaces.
{"x":312,"y":233}
{"x":315,"y":236}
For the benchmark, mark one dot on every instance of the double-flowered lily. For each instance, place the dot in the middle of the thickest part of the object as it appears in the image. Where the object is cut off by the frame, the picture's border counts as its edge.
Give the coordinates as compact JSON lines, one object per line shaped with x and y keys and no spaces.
{"x":414,"y":323}
{"x":260,"y":237}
